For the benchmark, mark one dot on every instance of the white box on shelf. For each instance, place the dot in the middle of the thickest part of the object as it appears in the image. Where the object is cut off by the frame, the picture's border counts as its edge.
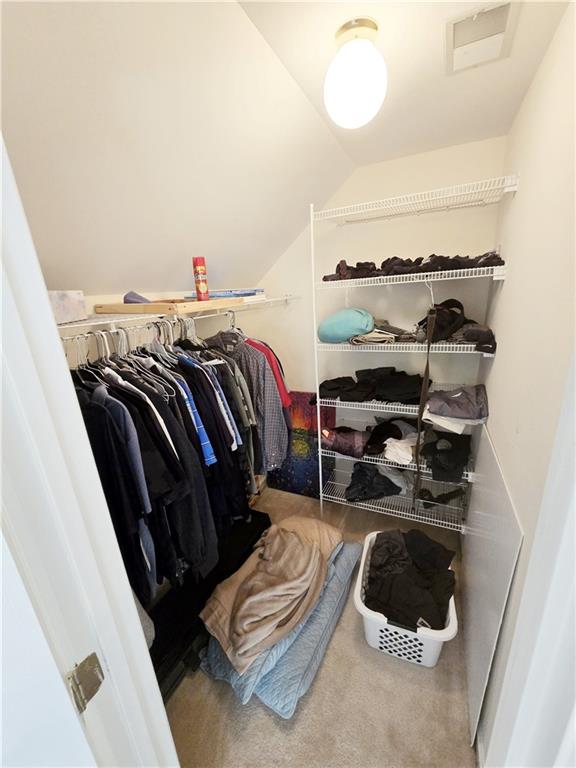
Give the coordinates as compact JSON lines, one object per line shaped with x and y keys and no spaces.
{"x":68,"y":306}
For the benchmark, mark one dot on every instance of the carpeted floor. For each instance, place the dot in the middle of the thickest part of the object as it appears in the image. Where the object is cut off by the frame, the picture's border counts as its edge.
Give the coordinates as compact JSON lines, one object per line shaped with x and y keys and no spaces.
{"x":364,"y":709}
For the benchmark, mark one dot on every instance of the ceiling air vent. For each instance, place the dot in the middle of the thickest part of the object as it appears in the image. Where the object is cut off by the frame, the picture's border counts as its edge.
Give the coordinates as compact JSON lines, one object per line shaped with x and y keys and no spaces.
{"x":483,"y":37}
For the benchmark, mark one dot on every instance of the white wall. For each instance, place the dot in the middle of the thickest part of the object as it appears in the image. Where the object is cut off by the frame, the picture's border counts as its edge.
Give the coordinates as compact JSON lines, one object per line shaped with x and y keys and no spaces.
{"x":142,"y":134}
{"x":470,"y":231}
{"x":535,"y":725}
{"x":40,"y":726}
{"x":533,"y":315}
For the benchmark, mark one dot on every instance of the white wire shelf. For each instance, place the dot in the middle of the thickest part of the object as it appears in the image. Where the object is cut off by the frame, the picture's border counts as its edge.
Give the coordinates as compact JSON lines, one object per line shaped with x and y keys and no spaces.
{"x":476,"y":193}
{"x":443,"y":516}
{"x":496,"y":273}
{"x":439,"y":347}
{"x":114,"y":319}
{"x":382,"y":406}
{"x":374,"y":406}
{"x":380,"y":459}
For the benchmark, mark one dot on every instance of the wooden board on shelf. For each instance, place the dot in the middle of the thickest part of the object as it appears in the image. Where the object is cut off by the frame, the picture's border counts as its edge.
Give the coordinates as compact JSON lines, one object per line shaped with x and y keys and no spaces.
{"x":167,"y":307}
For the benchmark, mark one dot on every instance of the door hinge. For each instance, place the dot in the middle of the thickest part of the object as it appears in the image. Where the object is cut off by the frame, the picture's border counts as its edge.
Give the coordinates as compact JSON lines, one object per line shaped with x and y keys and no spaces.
{"x":85,"y":680}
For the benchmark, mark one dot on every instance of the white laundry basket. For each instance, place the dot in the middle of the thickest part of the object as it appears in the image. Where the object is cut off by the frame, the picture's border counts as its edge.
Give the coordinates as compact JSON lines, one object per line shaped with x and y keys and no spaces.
{"x":421,"y":647}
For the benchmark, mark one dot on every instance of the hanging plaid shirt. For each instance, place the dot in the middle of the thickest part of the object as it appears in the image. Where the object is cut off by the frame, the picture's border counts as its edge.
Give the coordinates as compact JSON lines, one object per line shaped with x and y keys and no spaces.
{"x":263,"y":389}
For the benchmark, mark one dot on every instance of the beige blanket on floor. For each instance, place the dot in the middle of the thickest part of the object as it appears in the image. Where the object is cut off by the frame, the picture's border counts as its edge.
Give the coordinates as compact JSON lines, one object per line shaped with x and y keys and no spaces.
{"x":275,"y":589}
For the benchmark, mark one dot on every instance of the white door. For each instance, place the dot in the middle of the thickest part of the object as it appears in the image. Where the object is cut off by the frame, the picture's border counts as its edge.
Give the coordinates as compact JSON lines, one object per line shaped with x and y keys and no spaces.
{"x":39,"y":723}
{"x":55,"y":519}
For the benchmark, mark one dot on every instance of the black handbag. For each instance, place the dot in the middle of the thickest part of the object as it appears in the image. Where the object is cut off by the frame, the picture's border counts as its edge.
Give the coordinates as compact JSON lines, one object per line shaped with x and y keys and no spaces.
{"x":449,"y":318}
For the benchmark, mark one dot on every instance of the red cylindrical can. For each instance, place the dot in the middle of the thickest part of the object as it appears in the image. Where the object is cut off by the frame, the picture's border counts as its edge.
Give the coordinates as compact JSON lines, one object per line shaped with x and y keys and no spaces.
{"x":200,"y":278}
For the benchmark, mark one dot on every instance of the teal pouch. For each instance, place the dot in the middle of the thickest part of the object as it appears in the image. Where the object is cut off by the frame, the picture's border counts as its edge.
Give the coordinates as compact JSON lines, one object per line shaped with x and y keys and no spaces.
{"x":344,"y":324}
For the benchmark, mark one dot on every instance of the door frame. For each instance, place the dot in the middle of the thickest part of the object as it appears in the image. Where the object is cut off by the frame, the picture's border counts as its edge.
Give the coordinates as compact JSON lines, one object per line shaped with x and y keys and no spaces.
{"x":133,"y":728}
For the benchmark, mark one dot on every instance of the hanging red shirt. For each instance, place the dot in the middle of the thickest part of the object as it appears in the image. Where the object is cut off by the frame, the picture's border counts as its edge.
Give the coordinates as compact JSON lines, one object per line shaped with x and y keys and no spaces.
{"x":273,"y":363}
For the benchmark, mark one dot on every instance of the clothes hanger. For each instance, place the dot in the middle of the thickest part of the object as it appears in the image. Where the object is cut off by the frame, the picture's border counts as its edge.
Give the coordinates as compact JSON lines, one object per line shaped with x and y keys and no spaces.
{"x":129,"y":362}
{"x":188,"y":333}
{"x":181,"y":330}
{"x":122,"y":344}
{"x":106,"y":349}
{"x":120,"y":359}
{"x":233,"y":327}
{"x":164,"y":351}
{"x":85,"y":372}
{"x":143,"y":361}
{"x":167,"y":324}
{"x":87,"y":366}
{"x":76,"y":372}
{"x":190,"y":323}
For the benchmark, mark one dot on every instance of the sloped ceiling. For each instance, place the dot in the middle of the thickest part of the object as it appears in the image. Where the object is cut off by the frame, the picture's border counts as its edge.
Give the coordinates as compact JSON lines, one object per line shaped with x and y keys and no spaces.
{"x":144,"y":134}
{"x":425,"y":109}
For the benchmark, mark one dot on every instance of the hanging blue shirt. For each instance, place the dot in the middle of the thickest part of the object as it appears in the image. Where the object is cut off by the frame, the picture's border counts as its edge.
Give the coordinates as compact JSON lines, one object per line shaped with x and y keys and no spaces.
{"x":219,"y":394}
{"x":205,"y":444}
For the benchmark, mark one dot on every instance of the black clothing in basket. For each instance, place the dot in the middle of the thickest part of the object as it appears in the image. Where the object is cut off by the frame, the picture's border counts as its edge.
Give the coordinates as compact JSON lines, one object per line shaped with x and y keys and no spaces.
{"x":418,"y":595}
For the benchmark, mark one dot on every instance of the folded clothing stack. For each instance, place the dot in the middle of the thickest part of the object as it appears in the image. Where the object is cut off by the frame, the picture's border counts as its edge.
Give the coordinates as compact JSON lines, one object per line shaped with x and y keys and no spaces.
{"x":446,"y":454}
{"x":371,"y":481}
{"x":397,"y":266}
{"x":473,"y":333}
{"x":272,"y":620}
{"x":394,"y":439}
{"x":457,"y":409}
{"x":383,"y":333}
{"x":409,"y":580}
{"x":383,"y":384}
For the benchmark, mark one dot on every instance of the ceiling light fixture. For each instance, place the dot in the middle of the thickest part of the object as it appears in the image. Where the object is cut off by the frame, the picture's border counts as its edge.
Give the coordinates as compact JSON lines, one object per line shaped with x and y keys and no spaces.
{"x":356,"y":81}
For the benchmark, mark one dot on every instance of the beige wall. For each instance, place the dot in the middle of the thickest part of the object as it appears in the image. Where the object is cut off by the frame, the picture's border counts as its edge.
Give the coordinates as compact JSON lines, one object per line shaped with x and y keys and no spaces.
{"x":533,"y":314}
{"x":471,"y":231}
{"x":142,"y":134}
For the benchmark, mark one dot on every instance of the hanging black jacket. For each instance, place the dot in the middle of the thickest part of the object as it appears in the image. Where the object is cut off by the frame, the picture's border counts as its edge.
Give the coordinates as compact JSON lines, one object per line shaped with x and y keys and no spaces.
{"x":190,"y":518}
{"x":119,"y":489}
{"x":224,"y":479}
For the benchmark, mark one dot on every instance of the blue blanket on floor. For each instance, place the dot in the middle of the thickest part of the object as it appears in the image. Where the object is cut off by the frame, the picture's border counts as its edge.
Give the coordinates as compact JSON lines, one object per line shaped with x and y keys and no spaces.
{"x":281,"y":675}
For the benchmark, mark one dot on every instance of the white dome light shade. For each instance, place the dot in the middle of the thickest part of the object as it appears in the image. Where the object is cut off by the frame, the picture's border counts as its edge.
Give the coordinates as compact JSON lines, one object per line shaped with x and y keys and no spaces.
{"x":355,"y":84}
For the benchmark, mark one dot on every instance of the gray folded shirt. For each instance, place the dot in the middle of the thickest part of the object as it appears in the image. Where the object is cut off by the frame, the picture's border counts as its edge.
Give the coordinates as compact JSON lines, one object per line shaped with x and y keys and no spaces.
{"x":463,"y":403}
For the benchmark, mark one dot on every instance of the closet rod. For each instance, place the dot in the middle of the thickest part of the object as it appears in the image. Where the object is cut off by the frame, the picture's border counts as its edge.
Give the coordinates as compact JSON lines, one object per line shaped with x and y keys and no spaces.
{"x":148,"y":326}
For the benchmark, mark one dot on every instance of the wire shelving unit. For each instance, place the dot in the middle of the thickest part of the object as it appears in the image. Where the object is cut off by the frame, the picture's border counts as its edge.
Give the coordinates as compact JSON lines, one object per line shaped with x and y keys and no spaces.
{"x":474,"y":194}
